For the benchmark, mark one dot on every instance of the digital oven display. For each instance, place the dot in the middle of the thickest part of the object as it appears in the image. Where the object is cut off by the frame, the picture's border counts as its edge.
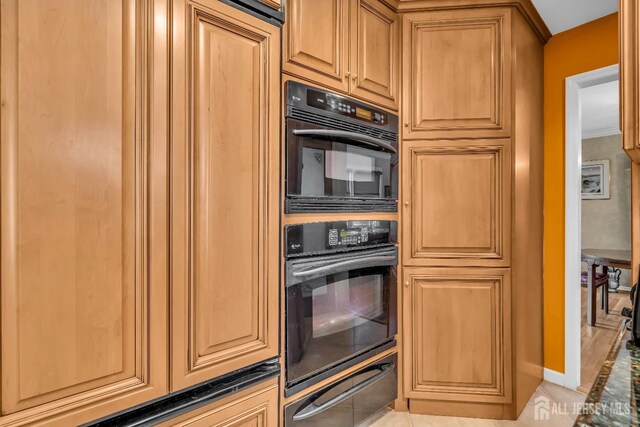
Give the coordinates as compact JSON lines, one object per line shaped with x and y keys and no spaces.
{"x":345,"y":107}
{"x":364,"y":114}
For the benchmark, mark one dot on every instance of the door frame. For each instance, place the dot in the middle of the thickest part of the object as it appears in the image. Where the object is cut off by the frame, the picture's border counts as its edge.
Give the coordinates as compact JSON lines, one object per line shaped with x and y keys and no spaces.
{"x":573,"y":212}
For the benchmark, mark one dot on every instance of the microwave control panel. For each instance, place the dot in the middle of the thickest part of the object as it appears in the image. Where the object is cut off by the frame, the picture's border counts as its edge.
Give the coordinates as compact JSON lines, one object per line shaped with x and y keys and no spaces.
{"x":345,"y":107}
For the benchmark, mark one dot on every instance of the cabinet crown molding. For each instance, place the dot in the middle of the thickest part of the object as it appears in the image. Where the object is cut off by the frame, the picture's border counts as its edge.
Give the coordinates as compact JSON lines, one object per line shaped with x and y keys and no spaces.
{"x":525,"y":7}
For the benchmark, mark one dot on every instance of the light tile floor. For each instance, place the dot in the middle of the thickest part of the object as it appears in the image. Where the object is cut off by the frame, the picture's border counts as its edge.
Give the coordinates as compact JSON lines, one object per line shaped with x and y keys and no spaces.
{"x":566,"y":400}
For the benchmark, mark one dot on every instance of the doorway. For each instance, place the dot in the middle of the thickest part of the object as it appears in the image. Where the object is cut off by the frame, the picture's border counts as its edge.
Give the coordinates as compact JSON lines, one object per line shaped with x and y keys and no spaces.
{"x":578,"y":335}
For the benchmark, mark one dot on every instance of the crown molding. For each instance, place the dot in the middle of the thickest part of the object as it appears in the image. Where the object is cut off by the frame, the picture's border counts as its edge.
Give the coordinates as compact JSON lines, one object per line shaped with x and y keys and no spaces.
{"x":525,"y":7}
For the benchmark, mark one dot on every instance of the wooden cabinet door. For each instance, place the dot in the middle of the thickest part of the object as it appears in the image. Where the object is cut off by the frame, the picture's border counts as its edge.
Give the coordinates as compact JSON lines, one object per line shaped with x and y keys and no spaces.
{"x":254,"y":407}
{"x":375,"y":52}
{"x":83,"y":297}
{"x":457,"y":73}
{"x":457,"y":329}
{"x":225,"y":191}
{"x":457,"y":203}
{"x":316,"y":42}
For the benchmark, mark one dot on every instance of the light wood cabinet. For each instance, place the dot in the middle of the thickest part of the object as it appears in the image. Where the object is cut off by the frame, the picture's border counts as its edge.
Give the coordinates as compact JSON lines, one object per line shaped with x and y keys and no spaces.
{"x":84,"y":284}
{"x":102,"y":165}
{"x":225,"y":197}
{"x":472,"y":182}
{"x":349,"y":46}
{"x":464,"y":187}
{"x":457,"y":73}
{"x":255,"y":407}
{"x":374,"y":53}
{"x":316,"y":42}
{"x":460,"y":330}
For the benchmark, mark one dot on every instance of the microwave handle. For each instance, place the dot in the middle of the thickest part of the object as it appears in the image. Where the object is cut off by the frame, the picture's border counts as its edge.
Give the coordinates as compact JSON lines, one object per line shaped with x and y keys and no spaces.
{"x":329,"y":133}
{"x":347,"y":263}
{"x":312,"y":409}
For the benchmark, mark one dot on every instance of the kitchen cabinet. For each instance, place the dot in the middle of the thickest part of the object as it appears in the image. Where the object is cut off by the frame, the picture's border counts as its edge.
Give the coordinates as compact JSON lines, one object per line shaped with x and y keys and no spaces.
{"x":256,"y":406}
{"x":462,"y":353}
{"x":472,"y":183}
{"x":457,"y":73}
{"x":629,"y":23}
{"x":349,"y":46}
{"x":83,"y":230}
{"x":225,"y":191}
{"x":103,"y":163}
{"x":464,"y":186}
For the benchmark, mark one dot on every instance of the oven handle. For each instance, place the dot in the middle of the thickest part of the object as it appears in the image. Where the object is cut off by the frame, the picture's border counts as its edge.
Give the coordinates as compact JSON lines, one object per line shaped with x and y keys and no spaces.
{"x":329,"y":133}
{"x":347,"y":263}
{"x":312,"y":409}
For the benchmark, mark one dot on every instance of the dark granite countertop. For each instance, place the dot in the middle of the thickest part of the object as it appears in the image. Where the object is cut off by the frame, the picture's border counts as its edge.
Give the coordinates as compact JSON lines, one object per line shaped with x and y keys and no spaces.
{"x":614,"y":399}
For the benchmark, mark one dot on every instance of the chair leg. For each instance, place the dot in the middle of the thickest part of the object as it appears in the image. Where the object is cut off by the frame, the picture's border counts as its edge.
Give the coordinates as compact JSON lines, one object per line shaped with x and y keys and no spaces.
{"x":605,"y":291}
{"x":591,"y":295}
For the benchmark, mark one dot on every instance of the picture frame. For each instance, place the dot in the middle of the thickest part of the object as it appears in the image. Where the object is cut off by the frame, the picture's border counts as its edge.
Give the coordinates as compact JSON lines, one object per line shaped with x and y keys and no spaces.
{"x":595,"y":180}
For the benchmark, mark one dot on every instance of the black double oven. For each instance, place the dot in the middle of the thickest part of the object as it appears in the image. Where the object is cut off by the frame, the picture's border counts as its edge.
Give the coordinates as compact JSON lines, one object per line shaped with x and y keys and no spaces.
{"x":340,"y":275}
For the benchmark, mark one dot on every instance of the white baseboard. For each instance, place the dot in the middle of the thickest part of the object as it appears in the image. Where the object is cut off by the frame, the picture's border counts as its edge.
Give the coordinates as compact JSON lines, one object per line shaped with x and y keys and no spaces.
{"x":554,"y":377}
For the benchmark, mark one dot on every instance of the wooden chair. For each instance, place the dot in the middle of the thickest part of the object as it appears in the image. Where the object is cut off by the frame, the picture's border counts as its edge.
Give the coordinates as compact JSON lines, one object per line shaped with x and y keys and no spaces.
{"x":602,"y":281}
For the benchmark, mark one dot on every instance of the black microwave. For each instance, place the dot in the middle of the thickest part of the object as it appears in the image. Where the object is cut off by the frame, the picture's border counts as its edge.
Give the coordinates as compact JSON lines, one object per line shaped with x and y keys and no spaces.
{"x":341,"y":155}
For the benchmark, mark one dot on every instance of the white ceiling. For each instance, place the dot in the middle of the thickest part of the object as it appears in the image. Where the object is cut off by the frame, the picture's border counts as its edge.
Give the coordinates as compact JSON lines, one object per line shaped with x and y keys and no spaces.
{"x":562,"y":15}
{"x":600,"y":110}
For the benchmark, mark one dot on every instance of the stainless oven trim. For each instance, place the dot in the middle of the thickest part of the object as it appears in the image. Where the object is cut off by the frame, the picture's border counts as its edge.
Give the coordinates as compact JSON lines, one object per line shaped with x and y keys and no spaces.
{"x":304,"y":269}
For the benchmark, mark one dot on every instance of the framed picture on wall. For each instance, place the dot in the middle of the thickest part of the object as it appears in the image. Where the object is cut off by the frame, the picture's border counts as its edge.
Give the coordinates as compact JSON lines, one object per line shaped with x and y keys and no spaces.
{"x":595,"y":180}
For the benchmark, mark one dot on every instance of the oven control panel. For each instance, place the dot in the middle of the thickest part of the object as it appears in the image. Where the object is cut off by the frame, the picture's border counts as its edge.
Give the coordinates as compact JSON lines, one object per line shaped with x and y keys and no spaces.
{"x":346,"y":237}
{"x":320,"y":237}
{"x":345,"y":107}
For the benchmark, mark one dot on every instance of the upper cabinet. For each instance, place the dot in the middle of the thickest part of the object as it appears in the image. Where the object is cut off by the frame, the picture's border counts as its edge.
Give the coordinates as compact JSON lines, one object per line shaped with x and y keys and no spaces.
{"x":84,"y":319}
{"x":225,"y":206}
{"x":457,"y":74}
{"x":374,"y":53}
{"x":316,"y":41}
{"x":348,"y":46}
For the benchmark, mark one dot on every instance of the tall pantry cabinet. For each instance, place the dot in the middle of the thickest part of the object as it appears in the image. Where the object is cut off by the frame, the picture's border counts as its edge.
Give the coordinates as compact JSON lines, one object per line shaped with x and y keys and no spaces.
{"x":133,"y":135}
{"x":472,"y":207}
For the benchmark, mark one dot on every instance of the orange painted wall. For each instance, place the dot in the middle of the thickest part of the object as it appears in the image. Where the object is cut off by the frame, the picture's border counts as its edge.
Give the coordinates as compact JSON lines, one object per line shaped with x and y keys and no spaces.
{"x":588,"y":47}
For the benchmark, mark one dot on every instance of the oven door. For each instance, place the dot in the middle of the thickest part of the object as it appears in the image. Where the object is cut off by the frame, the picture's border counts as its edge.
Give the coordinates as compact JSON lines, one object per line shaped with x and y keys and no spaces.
{"x":337,"y":307}
{"x":334,"y":170}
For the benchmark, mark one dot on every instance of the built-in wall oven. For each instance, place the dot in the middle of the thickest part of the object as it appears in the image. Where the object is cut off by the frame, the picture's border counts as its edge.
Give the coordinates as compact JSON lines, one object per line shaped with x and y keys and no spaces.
{"x":341,"y":296}
{"x":341,"y":155}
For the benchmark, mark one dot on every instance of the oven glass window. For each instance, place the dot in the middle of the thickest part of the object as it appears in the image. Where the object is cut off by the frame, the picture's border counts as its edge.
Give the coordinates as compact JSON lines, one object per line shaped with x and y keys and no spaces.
{"x":342,"y":170}
{"x":334,"y":317}
{"x":346,"y":304}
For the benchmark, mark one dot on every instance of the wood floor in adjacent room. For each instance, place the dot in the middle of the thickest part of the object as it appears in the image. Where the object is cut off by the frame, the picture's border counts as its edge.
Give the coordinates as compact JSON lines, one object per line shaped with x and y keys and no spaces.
{"x":554,"y":393}
{"x":596,"y":344}
{"x":597,"y":340}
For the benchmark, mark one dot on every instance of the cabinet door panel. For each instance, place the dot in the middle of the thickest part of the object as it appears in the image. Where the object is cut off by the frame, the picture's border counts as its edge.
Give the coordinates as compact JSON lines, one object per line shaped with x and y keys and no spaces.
{"x":226,"y":199}
{"x":458,"y":197}
{"x":316,"y":44}
{"x":457,"y":324}
{"x":457,"y":73}
{"x":374,"y":55}
{"x":81,"y":323}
